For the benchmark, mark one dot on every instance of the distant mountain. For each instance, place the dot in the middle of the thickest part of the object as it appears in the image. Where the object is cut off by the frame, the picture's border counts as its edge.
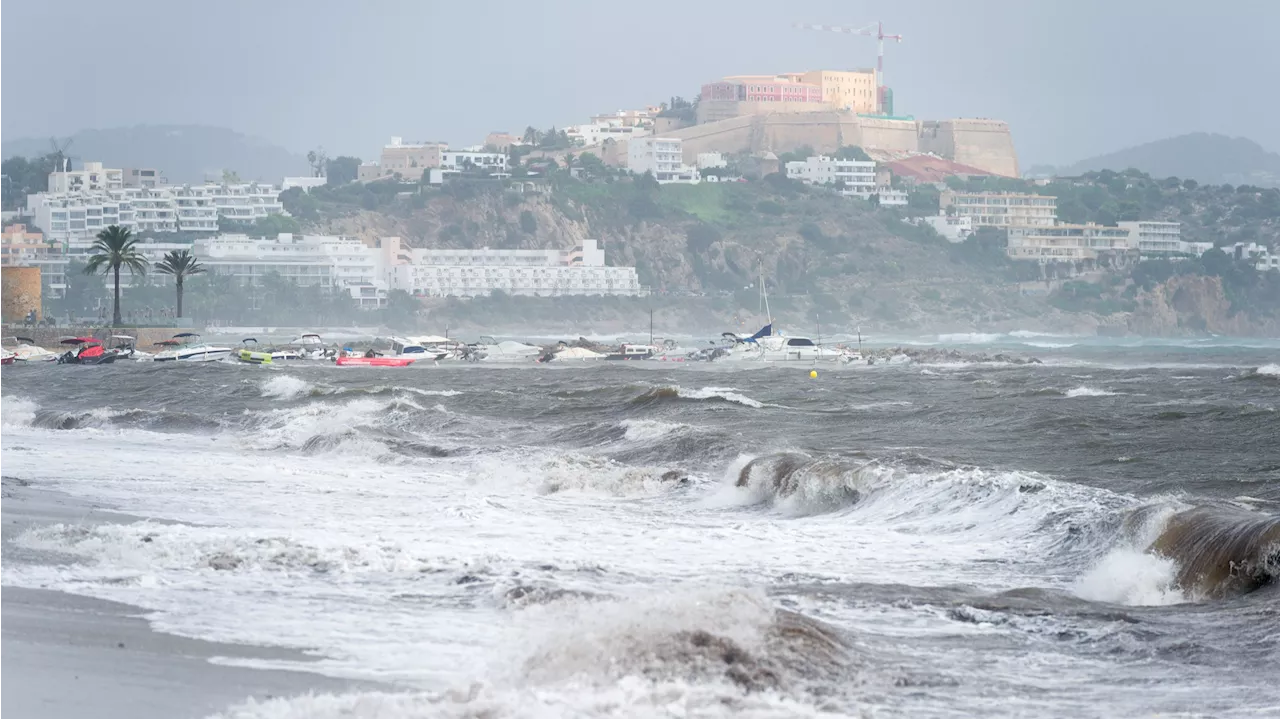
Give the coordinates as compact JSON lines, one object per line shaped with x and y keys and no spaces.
{"x":1201,"y":156}
{"x":185,"y":153}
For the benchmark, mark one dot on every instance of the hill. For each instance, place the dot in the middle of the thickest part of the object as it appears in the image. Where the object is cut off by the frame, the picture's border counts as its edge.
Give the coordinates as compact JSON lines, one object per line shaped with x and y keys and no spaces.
{"x":1204,"y":157}
{"x":186,"y":153}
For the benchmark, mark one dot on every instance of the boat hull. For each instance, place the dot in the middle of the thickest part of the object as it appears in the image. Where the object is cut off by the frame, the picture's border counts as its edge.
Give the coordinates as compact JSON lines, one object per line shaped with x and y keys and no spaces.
{"x":373,"y":362}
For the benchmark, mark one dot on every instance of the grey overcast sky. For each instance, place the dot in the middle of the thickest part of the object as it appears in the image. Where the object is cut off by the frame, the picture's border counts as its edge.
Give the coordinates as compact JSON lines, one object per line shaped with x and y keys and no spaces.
{"x":1074,"y":78}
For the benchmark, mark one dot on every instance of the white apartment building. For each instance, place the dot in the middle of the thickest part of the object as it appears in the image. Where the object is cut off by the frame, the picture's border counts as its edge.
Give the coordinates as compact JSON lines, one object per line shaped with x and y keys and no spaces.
{"x":1002,"y":209}
{"x":596,"y":133}
{"x":711,"y":160}
{"x":1066,"y":242}
{"x":953,"y":228}
{"x":890,"y":197}
{"x":473,"y":273}
{"x":342,"y":264}
{"x":454,"y":161}
{"x":92,"y":177}
{"x":306,"y":183}
{"x":74,"y":218}
{"x":144,"y":177}
{"x":1155,"y":239}
{"x":662,"y":156}
{"x":858,"y":176}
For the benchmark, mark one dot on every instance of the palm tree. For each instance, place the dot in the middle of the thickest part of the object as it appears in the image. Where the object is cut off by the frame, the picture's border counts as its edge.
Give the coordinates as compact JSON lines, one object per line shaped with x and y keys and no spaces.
{"x":116,"y":246}
{"x":180,"y":264}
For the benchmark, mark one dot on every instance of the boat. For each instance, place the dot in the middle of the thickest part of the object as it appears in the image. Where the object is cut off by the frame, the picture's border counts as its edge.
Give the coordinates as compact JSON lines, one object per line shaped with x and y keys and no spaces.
{"x":250,"y":353}
{"x":25,"y":350}
{"x":571,"y":353}
{"x":126,"y":347}
{"x":187,"y":347}
{"x":87,"y":351}
{"x":491,"y":349}
{"x":413,"y":349}
{"x":7,"y":357}
{"x":309,"y":346}
{"x":373,"y":361}
{"x":628,"y":352}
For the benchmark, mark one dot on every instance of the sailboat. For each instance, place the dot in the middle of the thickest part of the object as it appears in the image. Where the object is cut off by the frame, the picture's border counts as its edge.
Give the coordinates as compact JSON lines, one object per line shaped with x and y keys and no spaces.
{"x":766,"y":346}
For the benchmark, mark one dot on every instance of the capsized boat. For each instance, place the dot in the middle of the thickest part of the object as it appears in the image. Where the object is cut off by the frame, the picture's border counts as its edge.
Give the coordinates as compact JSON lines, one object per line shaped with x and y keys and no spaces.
{"x":187,"y":347}
{"x":25,"y":349}
{"x":88,"y":351}
{"x":373,"y":361}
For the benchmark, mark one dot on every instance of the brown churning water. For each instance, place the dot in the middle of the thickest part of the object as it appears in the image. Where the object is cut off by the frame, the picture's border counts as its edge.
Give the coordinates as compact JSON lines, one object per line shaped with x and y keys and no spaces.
{"x":1221,"y":552}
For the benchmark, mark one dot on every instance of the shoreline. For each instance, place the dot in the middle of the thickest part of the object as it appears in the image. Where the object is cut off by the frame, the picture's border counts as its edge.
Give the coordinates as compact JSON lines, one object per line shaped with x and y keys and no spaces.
{"x":71,"y":655}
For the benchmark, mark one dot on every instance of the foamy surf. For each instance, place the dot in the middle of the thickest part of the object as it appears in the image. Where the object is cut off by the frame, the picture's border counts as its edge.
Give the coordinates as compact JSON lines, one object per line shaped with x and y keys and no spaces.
{"x":1083,"y":391}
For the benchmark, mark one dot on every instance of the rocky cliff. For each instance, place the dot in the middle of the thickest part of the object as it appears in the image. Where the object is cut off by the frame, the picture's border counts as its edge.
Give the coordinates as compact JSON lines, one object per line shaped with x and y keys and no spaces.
{"x":1195,"y":304}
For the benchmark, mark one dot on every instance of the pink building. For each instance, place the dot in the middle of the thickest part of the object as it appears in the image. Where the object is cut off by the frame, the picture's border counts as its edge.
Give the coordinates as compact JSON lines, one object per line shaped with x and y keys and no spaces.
{"x":761,"y":91}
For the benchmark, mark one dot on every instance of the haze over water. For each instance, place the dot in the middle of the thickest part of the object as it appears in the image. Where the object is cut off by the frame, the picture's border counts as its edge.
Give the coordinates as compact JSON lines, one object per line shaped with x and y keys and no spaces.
{"x":944,"y":540}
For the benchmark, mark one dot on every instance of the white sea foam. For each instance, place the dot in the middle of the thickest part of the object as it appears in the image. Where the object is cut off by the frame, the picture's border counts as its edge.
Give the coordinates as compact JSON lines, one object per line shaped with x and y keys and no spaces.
{"x":1083,"y":391}
{"x":646,"y":430}
{"x":1269,"y":370}
{"x":1050,"y":345}
{"x":286,"y":387}
{"x":17,"y":411}
{"x":431,"y":392}
{"x":969,"y":338}
{"x":729,"y":394}
{"x":1131,"y":576}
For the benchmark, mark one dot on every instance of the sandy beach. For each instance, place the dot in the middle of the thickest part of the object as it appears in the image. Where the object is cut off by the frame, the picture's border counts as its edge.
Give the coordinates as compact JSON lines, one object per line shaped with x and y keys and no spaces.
{"x":70,"y":656}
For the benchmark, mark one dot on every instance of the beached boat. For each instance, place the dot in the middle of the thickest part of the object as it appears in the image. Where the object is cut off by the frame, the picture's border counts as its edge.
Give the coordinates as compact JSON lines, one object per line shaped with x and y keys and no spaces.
{"x":7,"y":357}
{"x":373,"y":361}
{"x":187,"y":347}
{"x":507,"y":350}
{"x":87,"y":351}
{"x":126,"y":347}
{"x":415,"y":349}
{"x":24,"y":349}
{"x":628,"y":352}
{"x":250,"y":353}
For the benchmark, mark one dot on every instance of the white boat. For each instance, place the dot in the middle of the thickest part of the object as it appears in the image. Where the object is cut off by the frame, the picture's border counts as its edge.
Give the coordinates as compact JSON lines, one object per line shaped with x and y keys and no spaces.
{"x":188,"y":347}
{"x":405,"y":348}
{"x":310,"y":346}
{"x":25,"y":350}
{"x":576,"y":353}
{"x":489,"y":348}
{"x":126,"y":347}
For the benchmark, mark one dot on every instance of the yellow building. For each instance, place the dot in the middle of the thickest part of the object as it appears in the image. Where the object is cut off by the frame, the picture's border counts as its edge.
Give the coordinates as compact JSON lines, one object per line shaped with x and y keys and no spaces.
{"x":853,"y":90}
{"x":408,"y":160}
{"x":21,"y":293}
{"x":1002,"y":209}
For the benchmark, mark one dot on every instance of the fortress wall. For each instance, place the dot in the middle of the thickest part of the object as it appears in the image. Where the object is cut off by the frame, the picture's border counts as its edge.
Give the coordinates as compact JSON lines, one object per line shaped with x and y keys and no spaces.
{"x":886,"y":134}
{"x":22,"y":293}
{"x":986,"y":144}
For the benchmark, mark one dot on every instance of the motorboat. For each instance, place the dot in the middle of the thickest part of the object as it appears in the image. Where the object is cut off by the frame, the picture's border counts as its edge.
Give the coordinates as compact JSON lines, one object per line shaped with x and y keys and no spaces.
{"x":7,"y":357}
{"x":491,"y":349}
{"x":87,"y":351}
{"x":25,"y":349}
{"x":126,"y":347}
{"x":628,"y":352}
{"x":310,"y":346}
{"x":414,"y":349}
{"x":250,"y":352}
{"x":373,"y":361}
{"x":188,"y":347}
{"x":565,"y":354}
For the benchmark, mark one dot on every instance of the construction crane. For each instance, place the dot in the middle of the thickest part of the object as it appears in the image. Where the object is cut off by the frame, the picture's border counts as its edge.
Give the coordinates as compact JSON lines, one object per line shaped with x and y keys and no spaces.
{"x":875,"y":30}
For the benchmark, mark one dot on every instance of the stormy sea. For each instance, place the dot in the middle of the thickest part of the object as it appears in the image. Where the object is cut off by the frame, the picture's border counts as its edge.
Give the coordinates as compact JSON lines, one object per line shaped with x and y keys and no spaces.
{"x":1095,"y":535}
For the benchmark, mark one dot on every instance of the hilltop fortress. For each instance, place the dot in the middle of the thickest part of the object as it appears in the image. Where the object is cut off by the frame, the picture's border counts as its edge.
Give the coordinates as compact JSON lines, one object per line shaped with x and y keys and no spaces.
{"x":825,"y":110}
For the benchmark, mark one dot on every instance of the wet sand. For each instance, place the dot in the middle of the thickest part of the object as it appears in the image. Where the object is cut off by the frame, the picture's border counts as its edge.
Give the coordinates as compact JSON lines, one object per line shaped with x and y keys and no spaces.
{"x":70,"y":656}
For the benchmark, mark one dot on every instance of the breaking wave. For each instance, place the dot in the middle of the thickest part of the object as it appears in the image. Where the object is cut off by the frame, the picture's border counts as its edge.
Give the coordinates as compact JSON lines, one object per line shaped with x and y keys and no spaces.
{"x":1083,"y":391}
{"x":675,"y":392}
{"x":283,"y":386}
{"x":17,"y":411}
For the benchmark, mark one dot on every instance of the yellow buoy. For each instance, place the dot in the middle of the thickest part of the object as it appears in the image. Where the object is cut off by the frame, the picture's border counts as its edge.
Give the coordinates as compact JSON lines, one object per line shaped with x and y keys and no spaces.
{"x":813,"y":374}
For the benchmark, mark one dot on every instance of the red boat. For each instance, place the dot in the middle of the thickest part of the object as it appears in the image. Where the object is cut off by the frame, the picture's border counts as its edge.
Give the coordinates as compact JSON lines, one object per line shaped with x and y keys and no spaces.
{"x":374,"y":361}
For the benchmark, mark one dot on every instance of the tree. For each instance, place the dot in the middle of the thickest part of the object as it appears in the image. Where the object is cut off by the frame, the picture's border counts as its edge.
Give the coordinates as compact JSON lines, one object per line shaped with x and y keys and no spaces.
{"x":273,"y":225}
{"x":115,"y":247}
{"x":319,"y":161}
{"x":342,"y":170}
{"x":852,"y":152}
{"x":531,"y":135}
{"x":24,"y":177}
{"x":230,"y":177}
{"x":179,"y":264}
{"x":528,"y":223}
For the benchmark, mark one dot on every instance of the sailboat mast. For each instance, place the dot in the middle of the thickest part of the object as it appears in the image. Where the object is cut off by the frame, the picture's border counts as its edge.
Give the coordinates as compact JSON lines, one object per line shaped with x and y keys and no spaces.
{"x":764,"y":294}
